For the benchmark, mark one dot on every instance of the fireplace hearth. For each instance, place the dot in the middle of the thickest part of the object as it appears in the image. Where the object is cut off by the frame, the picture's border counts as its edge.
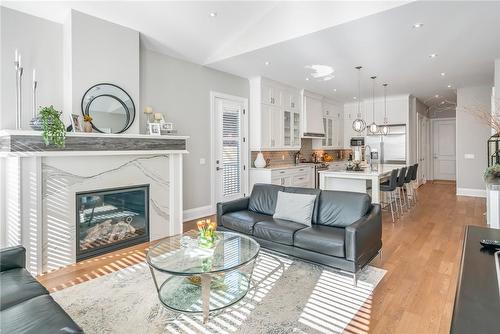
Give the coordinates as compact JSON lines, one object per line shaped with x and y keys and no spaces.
{"x":111,"y":219}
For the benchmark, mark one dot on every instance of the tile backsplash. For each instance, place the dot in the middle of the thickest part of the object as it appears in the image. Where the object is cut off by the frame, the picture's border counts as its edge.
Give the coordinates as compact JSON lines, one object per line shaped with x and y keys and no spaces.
{"x":277,"y":158}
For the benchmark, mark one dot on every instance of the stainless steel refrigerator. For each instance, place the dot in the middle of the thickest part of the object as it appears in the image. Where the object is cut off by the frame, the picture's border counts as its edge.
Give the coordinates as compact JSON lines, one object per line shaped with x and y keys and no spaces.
{"x":392,"y":147}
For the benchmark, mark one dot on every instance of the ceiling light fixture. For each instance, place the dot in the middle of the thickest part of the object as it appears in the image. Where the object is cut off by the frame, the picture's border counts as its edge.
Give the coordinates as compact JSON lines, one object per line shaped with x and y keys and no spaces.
{"x":213,"y":14}
{"x":418,"y":25}
{"x":373,"y":127}
{"x":433,"y":55}
{"x":307,"y":79}
{"x":449,"y":86}
{"x":267,"y":63}
{"x":443,"y":74}
{"x":359,"y":124}
{"x":385,"y":128}
{"x":335,"y":89}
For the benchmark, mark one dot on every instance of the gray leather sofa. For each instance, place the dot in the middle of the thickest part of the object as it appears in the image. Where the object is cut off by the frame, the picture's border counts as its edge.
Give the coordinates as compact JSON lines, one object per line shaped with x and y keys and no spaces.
{"x":346,"y":231}
{"x":25,"y":305}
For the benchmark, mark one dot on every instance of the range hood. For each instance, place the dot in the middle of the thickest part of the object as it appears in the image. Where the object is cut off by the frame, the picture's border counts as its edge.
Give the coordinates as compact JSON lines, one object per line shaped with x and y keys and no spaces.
{"x":312,"y":115}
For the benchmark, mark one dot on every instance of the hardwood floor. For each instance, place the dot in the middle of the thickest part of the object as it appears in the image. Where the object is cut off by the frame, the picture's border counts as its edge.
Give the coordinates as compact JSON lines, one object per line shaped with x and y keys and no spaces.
{"x":421,"y":253}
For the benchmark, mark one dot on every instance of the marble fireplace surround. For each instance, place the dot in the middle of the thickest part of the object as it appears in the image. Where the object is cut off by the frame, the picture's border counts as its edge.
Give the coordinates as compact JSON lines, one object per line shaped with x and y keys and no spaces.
{"x":39,"y":199}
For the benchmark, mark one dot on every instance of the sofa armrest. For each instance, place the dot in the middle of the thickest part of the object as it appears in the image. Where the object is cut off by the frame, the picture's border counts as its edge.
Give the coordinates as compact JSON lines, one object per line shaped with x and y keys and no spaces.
{"x":231,"y":206}
{"x":12,"y":257}
{"x":364,"y":237}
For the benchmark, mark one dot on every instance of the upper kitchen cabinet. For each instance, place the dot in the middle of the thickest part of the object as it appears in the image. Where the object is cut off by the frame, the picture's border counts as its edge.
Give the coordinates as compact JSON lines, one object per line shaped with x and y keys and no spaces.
{"x":312,"y":115}
{"x":275,"y":116}
{"x":333,"y":126}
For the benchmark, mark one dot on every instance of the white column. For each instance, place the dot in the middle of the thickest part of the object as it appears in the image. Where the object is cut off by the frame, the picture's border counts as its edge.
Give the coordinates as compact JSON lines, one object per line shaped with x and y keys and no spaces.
{"x":175,"y":196}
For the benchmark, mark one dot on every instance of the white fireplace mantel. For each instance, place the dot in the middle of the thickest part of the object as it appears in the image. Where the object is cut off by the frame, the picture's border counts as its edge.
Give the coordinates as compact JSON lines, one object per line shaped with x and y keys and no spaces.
{"x":39,"y":183}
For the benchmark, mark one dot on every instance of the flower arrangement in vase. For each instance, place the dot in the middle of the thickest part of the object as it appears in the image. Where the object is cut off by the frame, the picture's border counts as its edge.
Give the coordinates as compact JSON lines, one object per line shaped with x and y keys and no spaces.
{"x":207,"y":233}
{"x":87,"y":123}
{"x":492,"y":174}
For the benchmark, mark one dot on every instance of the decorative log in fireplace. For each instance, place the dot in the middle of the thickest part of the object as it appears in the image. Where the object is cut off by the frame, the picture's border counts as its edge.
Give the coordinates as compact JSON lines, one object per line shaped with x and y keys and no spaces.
{"x":111,"y":219}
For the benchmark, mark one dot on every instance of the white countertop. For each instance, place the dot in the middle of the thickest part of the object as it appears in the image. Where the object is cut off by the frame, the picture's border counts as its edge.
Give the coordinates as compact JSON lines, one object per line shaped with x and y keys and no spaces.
{"x":300,"y":165}
{"x":382,"y":169}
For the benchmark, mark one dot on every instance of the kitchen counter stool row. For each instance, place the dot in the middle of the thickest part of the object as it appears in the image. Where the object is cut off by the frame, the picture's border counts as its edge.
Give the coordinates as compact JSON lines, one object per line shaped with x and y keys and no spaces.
{"x":399,"y":191}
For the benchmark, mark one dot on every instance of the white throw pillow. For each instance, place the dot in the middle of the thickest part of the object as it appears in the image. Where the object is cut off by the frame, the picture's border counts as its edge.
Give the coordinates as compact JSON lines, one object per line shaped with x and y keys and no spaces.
{"x":295,"y":207}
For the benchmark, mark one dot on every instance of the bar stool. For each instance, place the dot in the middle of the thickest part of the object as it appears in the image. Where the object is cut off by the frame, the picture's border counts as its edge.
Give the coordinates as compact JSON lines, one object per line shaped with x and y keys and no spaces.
{"x":407,"y":186}
{"x":414,"y":182}
{"x":399,"y":186}
{"x":389,"y":187}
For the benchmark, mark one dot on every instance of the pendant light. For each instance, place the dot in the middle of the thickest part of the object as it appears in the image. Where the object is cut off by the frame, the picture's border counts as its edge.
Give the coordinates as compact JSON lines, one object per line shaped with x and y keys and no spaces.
{"x":385,"y":128}
{"x":373,"y":128}
{"x":359,"y":124}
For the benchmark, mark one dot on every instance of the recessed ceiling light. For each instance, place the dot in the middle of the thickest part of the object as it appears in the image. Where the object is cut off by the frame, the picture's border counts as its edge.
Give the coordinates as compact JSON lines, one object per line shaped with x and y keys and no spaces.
{"x":433,"y":55}
{"x":307,"y":79}
{"x":443,"y":74}
{"x":335,"y":89}
{"x":436,"y":96}
{"x":354,"y":98}
{"x":449,"y":86}
{"x":213,"y":14}
{"x":267,"y":63}
{"x":418,"y":25}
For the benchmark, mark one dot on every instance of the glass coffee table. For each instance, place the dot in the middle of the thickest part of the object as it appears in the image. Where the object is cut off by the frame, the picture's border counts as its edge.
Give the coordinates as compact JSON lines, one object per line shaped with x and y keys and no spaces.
{"x":202,"y":280}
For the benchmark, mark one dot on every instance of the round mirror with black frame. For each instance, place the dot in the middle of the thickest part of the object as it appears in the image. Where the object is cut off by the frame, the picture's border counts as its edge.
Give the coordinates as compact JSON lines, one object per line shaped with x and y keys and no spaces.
{"x":111,"y":108}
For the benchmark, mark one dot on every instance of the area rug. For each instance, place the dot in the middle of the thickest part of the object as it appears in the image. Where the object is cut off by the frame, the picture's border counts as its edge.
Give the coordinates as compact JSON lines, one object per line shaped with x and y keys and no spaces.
{"x":288,"y":296}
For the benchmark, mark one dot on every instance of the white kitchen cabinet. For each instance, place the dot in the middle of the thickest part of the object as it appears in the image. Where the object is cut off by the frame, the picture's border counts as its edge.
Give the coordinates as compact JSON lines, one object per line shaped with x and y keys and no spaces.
{"x":312,"y":112}
{"x":275,"y":116}
{"x":291,"y":176}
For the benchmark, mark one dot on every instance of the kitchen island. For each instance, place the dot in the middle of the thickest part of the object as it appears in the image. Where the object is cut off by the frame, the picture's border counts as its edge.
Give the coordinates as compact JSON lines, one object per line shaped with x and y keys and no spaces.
{"x":338,"y":178}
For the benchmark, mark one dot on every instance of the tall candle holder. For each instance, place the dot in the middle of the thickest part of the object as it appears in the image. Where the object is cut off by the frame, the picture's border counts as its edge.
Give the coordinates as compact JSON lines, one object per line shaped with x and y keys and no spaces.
{"x":19,"y":77}
{"x":35,"y":85}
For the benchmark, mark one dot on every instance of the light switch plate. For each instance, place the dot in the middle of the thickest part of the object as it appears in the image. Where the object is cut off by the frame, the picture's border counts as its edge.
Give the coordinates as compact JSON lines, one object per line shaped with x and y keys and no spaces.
{"x":469,"y":156}
{"x":202,"y":161}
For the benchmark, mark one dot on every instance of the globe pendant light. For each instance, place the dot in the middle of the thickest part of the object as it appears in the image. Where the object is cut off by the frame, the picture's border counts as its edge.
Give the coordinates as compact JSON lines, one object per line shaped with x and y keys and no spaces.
{"x":385,"y":128}
{"x":373,"y":128}
{"x":359,"y":124}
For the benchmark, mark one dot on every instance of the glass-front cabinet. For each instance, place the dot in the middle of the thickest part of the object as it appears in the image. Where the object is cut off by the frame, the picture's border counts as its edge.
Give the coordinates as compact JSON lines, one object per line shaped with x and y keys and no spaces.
{"x":291,"y":129}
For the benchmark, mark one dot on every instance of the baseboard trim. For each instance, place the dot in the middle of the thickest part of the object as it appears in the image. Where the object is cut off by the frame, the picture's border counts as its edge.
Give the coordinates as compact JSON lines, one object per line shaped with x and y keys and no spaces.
{"x":471,"y":192}
{"x":199,"y":212}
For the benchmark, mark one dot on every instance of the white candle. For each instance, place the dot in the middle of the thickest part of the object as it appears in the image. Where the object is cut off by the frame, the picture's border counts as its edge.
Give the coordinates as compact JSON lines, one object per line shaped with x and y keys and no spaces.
{"x":19,"y":60}
{"x":16,"y":55}
{"x":34,"y":75}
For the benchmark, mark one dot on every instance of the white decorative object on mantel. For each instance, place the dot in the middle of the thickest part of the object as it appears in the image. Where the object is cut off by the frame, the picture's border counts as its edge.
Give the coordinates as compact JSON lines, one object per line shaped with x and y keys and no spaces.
{"x":493,"y":205}
{"x":259,"y":161}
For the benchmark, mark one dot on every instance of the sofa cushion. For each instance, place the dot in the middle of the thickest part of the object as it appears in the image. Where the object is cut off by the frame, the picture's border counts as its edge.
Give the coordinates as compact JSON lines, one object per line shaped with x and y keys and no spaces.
{"x":17,"y":286}
{"x":263,"y":198}
{"x":40,"y":315}
{"x":277,"y":230}
{"x":308,"y":191}
{"x":295,"y":207}
{"x":341,"y":208}
{"x":322,"y":239}
{"x":243,"y":221}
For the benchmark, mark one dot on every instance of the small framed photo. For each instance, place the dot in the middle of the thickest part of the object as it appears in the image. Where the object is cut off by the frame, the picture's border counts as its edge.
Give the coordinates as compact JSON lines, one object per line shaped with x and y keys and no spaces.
{"x":155,"y":129}
{"x":76,"y":123}
{"x":167,"y":126}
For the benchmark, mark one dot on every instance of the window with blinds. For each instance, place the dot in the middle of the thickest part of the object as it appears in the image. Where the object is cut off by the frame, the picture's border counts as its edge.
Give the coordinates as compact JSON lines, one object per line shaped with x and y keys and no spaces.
{"x":231,"y":152}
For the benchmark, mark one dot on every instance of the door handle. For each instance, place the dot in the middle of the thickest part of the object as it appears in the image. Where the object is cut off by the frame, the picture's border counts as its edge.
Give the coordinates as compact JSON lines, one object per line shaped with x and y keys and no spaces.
{"x":218,"y":168}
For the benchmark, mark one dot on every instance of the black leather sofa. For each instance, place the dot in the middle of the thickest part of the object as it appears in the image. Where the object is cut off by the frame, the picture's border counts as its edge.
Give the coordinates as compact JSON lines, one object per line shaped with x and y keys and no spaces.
{"x":25,"y":305}
{"x":346,"y":231}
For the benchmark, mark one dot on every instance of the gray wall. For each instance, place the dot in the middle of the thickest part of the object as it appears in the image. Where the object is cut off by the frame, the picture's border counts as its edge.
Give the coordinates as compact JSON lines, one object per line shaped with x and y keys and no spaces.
{"x":40,"y":43}
{"x":181,"y":90}
{"x":102,"y":51}
{"x":497,"y":85}
{"x":472,"y":136}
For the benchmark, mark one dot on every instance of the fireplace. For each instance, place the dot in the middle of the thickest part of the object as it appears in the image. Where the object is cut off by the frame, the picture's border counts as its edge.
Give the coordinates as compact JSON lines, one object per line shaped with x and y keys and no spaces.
{"x":111,"y":219}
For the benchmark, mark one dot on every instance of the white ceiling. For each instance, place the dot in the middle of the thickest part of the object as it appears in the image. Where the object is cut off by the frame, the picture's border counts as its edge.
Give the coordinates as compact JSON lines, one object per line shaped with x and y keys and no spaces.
{"x":184,"y":29}
{"x":292,"y":35}
{"x":465,"y":35}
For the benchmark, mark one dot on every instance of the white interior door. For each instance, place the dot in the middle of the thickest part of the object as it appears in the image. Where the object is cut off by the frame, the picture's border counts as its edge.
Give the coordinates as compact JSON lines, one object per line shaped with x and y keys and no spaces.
{"x":444,"y":149}
{"x":229,"y":149}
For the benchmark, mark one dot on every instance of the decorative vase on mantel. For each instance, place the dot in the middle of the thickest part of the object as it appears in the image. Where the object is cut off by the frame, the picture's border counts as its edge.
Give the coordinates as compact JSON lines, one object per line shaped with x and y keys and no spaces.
{"x":87,"y":123}
{"x":259,"y":161}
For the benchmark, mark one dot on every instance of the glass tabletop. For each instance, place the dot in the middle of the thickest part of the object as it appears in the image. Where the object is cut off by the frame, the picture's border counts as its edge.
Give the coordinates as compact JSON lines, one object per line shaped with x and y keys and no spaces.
{"x":180,"y":255}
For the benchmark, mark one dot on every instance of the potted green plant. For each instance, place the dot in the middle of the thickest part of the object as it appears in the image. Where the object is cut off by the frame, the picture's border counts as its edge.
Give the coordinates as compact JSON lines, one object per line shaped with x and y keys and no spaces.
{"x":492,"y":174}
{"x":53,"y":129}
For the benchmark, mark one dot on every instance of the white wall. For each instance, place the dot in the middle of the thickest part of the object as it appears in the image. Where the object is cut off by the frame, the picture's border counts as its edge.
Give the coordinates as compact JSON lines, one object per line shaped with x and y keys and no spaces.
{"x":181,"y":90}
{"x":40,"y":43}
{"x":472,"y":136}
{"x":102,"y":51}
